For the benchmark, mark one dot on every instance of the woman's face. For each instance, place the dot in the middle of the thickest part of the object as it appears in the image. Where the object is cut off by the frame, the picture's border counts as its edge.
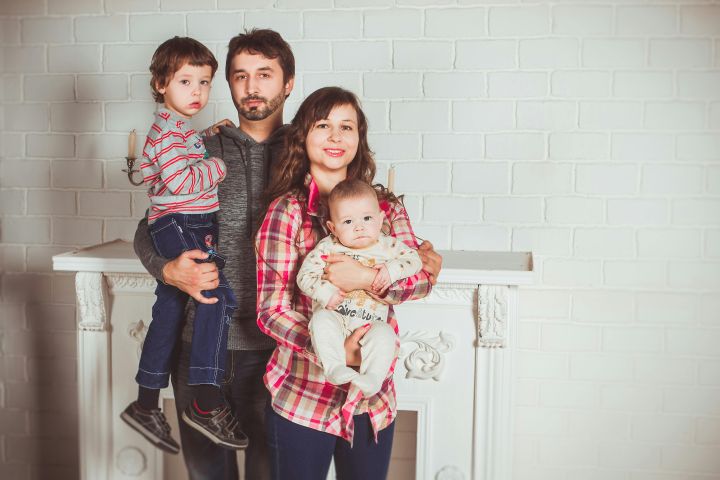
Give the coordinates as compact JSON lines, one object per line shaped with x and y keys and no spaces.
{"x":332,"y":142}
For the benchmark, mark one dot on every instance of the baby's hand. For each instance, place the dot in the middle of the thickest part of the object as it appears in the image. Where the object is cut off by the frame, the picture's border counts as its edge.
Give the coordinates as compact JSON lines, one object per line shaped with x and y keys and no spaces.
{"x":336,"y":300}
{"x":382,"y":279}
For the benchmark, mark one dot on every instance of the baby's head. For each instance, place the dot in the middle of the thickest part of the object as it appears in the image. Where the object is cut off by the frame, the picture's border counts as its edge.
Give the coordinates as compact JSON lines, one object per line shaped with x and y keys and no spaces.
{"x":355,"y":215}
{"x":182,"y":69}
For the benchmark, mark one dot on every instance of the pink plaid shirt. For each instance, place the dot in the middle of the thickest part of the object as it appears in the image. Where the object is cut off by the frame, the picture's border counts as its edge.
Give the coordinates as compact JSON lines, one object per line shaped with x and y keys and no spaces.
{"x":291,"y":229}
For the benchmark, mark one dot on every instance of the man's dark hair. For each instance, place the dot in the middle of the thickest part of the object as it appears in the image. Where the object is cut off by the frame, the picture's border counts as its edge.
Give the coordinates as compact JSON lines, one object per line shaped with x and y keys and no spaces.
{"x":171,"y":55}
{"x":265,"y":42}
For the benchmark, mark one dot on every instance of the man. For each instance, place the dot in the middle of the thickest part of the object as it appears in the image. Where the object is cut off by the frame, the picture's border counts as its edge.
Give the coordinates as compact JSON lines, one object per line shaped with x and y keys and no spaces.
{"x":260,"y":70}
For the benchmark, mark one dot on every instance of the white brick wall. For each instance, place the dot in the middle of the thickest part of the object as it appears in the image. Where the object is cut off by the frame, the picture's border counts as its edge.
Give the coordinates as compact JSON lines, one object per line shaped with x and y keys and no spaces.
{"x":587,"y":132}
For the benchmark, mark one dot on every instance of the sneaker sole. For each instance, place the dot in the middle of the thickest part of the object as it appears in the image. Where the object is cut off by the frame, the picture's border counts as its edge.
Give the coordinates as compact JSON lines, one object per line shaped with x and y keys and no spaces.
{"x":148,"y":436}
{"x":210,"y":436}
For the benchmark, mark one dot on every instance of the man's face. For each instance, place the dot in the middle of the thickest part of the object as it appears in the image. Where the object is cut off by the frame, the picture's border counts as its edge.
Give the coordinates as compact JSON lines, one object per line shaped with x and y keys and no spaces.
{"x":257,"y":86}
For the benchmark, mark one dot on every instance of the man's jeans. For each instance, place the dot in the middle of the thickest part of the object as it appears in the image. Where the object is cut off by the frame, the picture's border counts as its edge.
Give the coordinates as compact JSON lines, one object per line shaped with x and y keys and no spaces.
{"x":245,"y":391}
{"x":173,"y":235}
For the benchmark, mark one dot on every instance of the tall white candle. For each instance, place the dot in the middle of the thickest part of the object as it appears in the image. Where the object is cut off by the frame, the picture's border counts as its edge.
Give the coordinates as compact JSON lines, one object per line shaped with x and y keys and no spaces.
{"x":131,"y":144}
{"x":391,"y":178}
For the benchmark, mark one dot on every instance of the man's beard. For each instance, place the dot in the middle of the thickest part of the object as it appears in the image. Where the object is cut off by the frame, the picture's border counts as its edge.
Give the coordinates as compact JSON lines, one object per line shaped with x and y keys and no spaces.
{"x":260,"y":112}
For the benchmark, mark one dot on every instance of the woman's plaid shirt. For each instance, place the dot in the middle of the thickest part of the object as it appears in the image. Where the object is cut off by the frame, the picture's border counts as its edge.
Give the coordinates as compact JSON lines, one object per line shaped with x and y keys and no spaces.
{"x":291,"y":229}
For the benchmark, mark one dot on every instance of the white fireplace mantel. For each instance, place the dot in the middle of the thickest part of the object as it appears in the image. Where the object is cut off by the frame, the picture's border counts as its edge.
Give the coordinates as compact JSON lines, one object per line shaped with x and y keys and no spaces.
{"x":455,"y":366}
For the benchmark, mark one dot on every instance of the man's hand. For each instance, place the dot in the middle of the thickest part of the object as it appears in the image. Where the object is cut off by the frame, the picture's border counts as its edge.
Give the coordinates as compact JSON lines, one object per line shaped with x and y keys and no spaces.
{"x":382,"y":279}
{"x":192,"y":277}
{"x":215,"y":129}
{"x":347,"y":273}
{"x":352,"y":346}
{"x":336,"y":300}
{"x":432,"y":261}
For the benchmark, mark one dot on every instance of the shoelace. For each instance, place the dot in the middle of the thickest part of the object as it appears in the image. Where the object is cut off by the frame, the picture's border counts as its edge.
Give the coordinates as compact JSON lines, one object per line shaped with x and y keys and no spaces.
{"x":225,"y":425}
{"x":162,"y":422}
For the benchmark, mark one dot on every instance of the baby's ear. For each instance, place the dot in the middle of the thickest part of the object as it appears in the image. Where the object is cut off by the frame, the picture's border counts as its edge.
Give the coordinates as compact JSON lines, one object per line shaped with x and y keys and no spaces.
{"x":331,"y":226}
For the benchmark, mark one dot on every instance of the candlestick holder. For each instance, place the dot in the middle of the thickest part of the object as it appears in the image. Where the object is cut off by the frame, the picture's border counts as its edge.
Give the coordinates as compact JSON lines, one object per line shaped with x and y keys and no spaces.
{"x":131,"y":172}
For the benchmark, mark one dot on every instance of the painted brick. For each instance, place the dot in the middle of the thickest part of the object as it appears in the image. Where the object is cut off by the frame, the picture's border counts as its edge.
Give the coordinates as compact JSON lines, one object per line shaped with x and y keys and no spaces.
{"x":77,"y":174}
{"x":455,"y":22}
{"x":74,"y":58}
{"x":600,"y":367}
{"x":524,"y":146}
{"x":451,"y":209}
{"x":571,"y":273}
{"x":133,"y":6}
{"x":454,"y":85}
{"x":21,"y":8}
{"x":569,"y":394}
{"x":23,"y":59}
{"x":12,"y":202}
{"x":23,"y":287}
{"x":715,"y":116}
{"x":635,"y":273}
{"x":11,"y":90}
{"x":486,"y":54}
{"x":480,"y":178}
{"x":104,"y":204}
{"x":39,"y":260}
{"x":423,"y":55}
{"x":545,"y":178}
{"x":76,"y":117}
{"x":25,"y":117}
{"x":680,"y":53}
{"x":311,"y":56}
{"x":140,"y":203}
{"x":46,"y":30}
{"x":484,"y":116}
{"x":696,"y":212}
{"x":99,"y":146}
{"x":672,"y":179}
{"x":480,"y":238}
{"x":646,"y":20}
{"x":582,"y":20}
{"x":364,"y":3}
{"x":640,"y":340}
{"x":333,"y":24}
{"x":395,"y":146}
{"x":517,"y":84}
{"x":123,"y":229}
{"x":610,"y":115}
{"x":242,"y":4}
{"x":76,"y":6}
{"x":421,"y":178}
{"x":12,"y":145}
{"x":127,"y":58}
{"x":708,"y":374}
{"x":395,"y":23}
{"x":303,"y":4}
{"x":51,"y":202}
{"x":643,"y":84}
{"x":603,"y":307}
{"x":102,"y":87}
{"x":213,"y":26}
{"x":542,"y":241}
{"x":175,"y":5}
{"x":419,"y":116}
{"x":642,"y":146}
{"x":604,"y":243}
{"x":698,"y":275}
{"x":669,"y":243}
{"x":541,"y":365}
{"x":440,"y":235}
{"x":580,"y":84}
{"x":700,"y":20}
{"x":706,"y":404}
{"x":76,"y":231}
{"x":392,"y":85}
{"x":519,"y":21}
{"x":455,"y":146}
{"x":363,"y":56}
{"x":536,"y":421}
{"x":350,"y":81}
{"x":156,"y":28}
{"x":378,"y":116}
{"x":50,"y":145}
{"x":127,"y":116}
{"x":571,"y":210}
{"x":595,"y":426}
{"x":548,"y":116}
{"x":578,"y":146}
{"x":140,"y":89}
{"x":549,"y":53}
{"x":631,"y":397}
{"x":25,"y":230}
{"x":630,"y":455}
{"x":635,"y":211}
{"x":564,"y":337}
{"x":698,"y":147}
{"x":513,"y":210}
{"x":666,"y":308}
{"x":699,"y":85}
{"x":25,"y":173}
{"x":613,"y":53}
{"x":662,"y":370}
{"x":49,"y":87}
{"x":606,"y":179}
{"x":537,"y":303}
{"x":712,"y":243}
{"x":109,"y":28}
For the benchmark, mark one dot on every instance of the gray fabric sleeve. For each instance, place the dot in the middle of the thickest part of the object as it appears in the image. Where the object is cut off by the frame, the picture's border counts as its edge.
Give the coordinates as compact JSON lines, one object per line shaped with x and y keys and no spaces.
{"x":145,"y":250}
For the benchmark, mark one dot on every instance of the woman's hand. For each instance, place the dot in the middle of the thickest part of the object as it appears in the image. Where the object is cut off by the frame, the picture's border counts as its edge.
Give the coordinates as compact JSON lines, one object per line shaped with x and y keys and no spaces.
{"x":432,"y":261}
{"x":347,"y":273}
{"x":352,"y":346}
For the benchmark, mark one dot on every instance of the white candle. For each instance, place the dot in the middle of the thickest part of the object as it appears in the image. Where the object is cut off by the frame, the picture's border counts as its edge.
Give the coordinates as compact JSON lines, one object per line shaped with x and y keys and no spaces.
{"x":391,"y":178}
{"x":131,"y":144}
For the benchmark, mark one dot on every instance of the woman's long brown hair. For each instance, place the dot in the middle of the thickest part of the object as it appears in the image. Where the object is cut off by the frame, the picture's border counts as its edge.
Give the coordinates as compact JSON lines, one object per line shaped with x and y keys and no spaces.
{"x":288,"y":174}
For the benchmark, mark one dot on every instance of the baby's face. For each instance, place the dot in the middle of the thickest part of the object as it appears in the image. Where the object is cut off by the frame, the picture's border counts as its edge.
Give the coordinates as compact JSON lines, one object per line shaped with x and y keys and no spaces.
{"x":356,"y":222}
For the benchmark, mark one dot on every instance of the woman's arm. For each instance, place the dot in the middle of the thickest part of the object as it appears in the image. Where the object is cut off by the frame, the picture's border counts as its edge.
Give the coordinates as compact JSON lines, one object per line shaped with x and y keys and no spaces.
{"x":277,"y":266}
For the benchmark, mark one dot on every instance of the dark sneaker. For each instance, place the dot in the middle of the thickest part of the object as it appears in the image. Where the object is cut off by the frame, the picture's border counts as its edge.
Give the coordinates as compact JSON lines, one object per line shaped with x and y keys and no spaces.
{"x":152,"y":425}
{"x":220,"y":426}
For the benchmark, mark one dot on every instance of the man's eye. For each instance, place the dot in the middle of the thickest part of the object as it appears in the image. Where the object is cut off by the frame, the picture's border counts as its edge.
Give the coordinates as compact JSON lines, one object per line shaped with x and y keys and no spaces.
{"x":240,"y":77}
{"x":264,"y":75}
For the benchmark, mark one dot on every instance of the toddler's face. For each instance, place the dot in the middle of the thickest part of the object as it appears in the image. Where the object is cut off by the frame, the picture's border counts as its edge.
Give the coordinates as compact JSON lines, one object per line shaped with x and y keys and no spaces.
{"x":356,"y":222}
{"x":188,"y":90}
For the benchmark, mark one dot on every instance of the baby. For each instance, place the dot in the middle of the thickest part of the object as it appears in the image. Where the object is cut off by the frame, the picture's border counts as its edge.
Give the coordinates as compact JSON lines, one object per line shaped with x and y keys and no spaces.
{"x":355,"y":224}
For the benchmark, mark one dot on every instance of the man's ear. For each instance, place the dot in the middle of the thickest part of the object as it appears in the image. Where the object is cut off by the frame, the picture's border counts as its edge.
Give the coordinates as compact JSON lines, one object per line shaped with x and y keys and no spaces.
{"x":289,"y":85}
{"x":331,"y":226}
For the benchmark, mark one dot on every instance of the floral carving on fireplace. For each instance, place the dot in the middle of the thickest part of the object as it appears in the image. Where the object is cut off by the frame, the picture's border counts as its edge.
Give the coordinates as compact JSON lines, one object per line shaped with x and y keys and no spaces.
{"x":423,"y":354}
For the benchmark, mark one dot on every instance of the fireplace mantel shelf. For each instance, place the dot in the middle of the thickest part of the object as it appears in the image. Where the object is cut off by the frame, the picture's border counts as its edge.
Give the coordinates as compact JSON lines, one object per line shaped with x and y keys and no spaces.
{"x":455,"y":366}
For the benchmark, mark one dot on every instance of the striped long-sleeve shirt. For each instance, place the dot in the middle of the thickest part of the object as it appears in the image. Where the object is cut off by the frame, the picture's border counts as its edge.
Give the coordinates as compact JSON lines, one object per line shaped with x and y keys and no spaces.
{"x":295,"y":379}
{"x":179,"y":177}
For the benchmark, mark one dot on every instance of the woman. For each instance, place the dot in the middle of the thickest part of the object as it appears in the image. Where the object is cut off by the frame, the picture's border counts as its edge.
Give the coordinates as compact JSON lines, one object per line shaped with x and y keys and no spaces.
{"x":310,"y":421}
